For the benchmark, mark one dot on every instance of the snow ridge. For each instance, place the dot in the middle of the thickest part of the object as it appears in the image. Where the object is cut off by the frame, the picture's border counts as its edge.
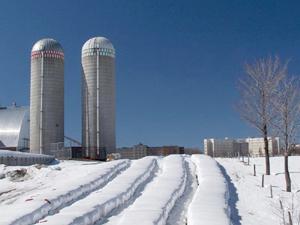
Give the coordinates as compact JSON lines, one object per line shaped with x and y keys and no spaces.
{"x":65,"y":197}
{"x":100,"y":203}
{"x":158,"y":199}
{"x":210,"y":203}
{"x":176,"y":194}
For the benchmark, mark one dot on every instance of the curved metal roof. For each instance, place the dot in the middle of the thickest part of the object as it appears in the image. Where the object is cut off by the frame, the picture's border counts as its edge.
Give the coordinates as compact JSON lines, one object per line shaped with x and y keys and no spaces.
{"x":13,"y":125}
{"x":97,"y":42}
{"x":47,"y":44}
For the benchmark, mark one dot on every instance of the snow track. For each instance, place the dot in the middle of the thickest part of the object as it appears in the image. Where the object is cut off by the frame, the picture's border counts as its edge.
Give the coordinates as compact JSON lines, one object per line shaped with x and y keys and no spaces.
{"x":102,"y":202}
{"x":171,"y":190}
{"x":178,"y":215}
{"x":157,"y":200}
{"x":55,"y":199}
{"x":210,"y":203}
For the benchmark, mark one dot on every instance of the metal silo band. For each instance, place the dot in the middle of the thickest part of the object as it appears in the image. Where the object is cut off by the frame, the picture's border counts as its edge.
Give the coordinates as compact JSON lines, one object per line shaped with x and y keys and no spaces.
{"x":41,"y":103}
{"x":98,"y":94}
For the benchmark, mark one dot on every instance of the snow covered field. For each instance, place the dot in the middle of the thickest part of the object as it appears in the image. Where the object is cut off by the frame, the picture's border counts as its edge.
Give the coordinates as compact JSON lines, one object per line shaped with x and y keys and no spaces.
{"x":250,"y":203}
{"x":151,"y":190}
{"x":172,"y":190}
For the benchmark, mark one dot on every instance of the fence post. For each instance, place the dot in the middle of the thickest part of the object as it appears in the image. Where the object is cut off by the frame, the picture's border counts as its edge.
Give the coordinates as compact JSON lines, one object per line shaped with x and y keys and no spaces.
{"x":254,"y":170}
{"x":282,"y":210}
{"x":263,"y":180}
{"x":271,"y":191}
{"x":290,"y":218}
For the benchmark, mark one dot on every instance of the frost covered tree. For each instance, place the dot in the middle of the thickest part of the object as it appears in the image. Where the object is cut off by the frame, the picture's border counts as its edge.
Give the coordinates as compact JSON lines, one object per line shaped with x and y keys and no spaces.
{"x":257,"y":88}
{"x":287,"y":106}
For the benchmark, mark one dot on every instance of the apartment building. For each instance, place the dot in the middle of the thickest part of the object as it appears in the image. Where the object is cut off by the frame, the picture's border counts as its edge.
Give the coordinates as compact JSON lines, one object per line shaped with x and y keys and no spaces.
{"x":233,"y":147}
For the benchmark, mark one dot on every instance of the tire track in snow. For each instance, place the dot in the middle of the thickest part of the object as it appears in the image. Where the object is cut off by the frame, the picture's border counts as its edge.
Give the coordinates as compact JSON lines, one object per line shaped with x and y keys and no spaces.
{"x":114,"y":216}
{"x":159,"y":197}
{"x":115,"y":194}
{"x":137,"y":194}
{"x":178,"y":214}
{"x":38,"y":209}
{"x":110,"y":178}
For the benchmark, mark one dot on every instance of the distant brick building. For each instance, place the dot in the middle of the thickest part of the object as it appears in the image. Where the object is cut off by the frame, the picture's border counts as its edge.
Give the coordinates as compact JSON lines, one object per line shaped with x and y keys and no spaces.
{"x":165,"y":150}
{"x":141,"y":150}
{"x":135,"y":152}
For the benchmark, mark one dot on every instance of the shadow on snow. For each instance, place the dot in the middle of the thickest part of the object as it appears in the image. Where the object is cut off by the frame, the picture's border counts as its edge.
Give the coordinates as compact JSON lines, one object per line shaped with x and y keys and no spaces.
{"x":233,"y":198}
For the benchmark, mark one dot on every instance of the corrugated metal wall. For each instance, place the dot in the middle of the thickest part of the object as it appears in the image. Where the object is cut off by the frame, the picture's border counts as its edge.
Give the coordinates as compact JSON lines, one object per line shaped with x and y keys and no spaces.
{"x":14,"y":127}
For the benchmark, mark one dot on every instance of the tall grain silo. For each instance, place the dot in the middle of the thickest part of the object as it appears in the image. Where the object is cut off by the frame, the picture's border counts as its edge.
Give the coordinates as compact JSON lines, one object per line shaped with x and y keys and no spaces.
{"x":46,"y":97}
{"x":98,"y":97}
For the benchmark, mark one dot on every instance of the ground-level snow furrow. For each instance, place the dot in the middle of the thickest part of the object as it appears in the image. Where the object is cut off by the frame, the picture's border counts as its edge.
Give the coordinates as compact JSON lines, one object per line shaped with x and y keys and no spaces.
{"x":210,"y":203}
{"x":115,"y":194}
{"x":63,"y":195}
{"x":177,"y":216}
{"x":158,"y":198}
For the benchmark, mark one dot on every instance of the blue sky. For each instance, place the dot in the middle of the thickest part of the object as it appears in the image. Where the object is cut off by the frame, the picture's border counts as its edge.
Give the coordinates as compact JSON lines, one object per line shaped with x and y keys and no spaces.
{"x":177,"y":62}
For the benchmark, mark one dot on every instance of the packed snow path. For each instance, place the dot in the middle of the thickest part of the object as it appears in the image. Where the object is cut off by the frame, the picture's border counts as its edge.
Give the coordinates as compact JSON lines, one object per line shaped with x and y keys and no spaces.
{"x":61,"y":191}
{"x":100,"y":203}
{"x":210,"y":203}
{"x":178,"y":214}
{"x":159,"y":196}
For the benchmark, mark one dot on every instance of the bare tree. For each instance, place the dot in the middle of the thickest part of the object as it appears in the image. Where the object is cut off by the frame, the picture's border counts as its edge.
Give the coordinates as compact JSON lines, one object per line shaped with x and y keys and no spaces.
{"x":287,"y":106}
{"x":257,"y":89}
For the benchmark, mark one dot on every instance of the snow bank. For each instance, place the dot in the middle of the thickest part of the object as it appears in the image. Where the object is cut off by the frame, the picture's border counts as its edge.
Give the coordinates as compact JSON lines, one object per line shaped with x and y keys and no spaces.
{"x":115,"y":194}
{"x":159,"y":197}
{"x":14,"y":158}
{"x":209,"y":205}
{"x":35,"y":208}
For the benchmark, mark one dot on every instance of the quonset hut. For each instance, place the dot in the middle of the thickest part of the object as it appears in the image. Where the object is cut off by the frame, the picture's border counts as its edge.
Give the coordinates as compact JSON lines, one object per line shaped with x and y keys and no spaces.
{"x":14,"y":128}
{"x":46,"y":97}
{"x":98,"y":98}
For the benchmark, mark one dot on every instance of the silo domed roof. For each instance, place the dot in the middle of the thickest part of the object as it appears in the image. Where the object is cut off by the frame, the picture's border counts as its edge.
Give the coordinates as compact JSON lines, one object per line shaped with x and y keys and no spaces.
{"x":97,"y":42}
{"x":47,"y":44}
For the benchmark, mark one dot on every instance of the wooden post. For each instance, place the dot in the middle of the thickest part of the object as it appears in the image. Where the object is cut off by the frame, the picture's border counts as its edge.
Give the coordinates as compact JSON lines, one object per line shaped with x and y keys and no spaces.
{"x":263,"y":180}
{"x":290,"y":218}
{"x":281,"y":206}
{"x":282,"y":210}
{"x":254,"y":170}
{"x":271,"y":191}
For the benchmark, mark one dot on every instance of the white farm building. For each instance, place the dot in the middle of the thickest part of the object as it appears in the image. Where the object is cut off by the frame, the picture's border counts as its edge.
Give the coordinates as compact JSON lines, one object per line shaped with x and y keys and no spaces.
{"x":14,"y":128}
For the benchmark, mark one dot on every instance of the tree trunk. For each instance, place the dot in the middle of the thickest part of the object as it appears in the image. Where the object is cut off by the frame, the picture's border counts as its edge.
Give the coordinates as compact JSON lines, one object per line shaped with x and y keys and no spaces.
{"x":287,"y":172}
{"x":267,"y":157}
